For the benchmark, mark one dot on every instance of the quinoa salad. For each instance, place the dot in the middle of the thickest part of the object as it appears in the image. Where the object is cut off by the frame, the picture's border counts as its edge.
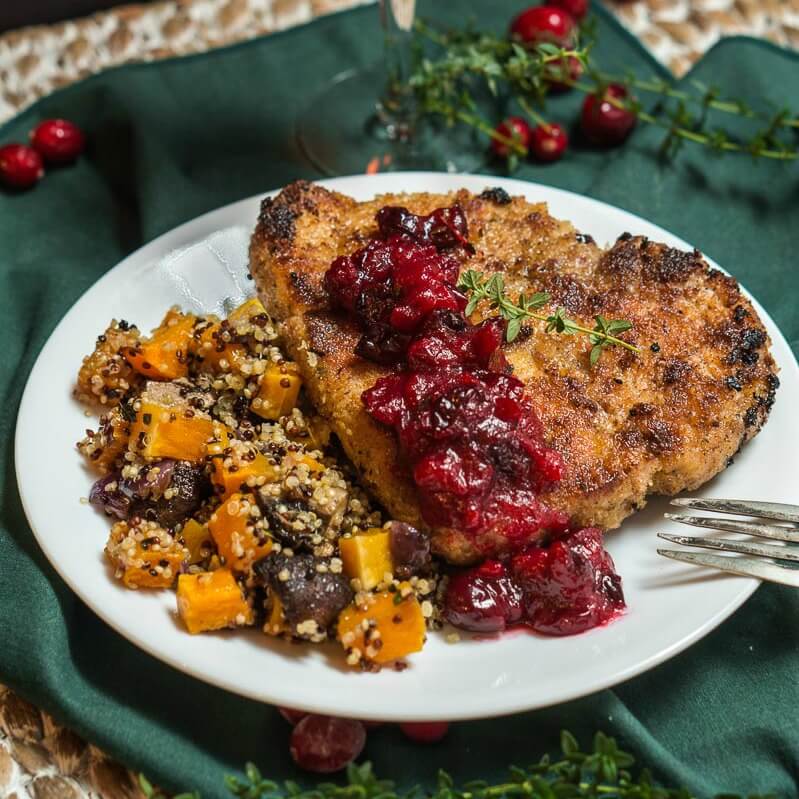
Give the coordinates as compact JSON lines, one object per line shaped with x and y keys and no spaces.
{"x":223,"y":485}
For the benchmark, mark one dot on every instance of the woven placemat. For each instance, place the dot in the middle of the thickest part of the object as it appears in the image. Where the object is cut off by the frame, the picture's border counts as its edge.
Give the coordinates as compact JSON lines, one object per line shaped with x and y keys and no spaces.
{"x":39,"y":759}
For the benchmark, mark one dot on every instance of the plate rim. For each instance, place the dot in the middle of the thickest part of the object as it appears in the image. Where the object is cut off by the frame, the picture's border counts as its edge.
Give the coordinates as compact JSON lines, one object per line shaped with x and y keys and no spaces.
{"x":513,"y":703}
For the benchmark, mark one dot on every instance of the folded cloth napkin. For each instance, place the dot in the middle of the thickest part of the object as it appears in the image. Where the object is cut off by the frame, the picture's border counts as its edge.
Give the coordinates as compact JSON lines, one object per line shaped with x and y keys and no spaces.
{"x":177,"y":138}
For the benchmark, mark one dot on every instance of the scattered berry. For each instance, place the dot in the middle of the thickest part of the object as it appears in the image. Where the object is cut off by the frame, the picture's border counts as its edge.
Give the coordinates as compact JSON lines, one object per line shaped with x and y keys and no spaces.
{"x":602,"y":121}
{"x":58,"y":141}
{"x":549,"y":142}
{"x":20,"y":166}
{"x":543,"y":24}
{"x":577,"y":9}
{"x":514,"y":128}
{"x":425,"y":732}
{"x":325,"y":744}
{"x":291,"y":715}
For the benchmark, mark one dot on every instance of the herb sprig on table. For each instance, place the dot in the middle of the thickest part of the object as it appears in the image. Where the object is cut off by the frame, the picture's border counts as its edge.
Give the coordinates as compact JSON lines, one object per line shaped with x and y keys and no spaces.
{"x":603,"y":771}
{"x":469,"y":76}
{"x":480,"y":288}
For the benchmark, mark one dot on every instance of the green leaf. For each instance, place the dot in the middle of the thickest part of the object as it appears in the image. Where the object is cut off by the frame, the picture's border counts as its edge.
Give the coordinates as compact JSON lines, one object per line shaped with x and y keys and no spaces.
{"x":596,"y":353}
{"x":146,"y":786}
{"x":568,"y":743}
{"x":514,"y":326}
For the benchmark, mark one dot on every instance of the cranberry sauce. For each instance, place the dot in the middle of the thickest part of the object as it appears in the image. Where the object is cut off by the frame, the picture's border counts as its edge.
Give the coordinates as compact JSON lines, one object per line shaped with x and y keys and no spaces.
{"x":463,"y":423}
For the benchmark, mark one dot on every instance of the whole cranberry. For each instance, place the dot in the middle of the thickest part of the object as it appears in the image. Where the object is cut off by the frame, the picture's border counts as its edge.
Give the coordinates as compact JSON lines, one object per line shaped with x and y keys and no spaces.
{"x":549,"y":142}
{"x":576,"y":8}
{"x":514,"y":128}
{"x":324,"y":744}
{"x":483,"y":600}
{"x":20,"y":166}
{"x":58,"y":141}
{"x":543,"y":24}
{"x":563,"y":73}
{"x":603,"y":121}
{"x":425,"y":732}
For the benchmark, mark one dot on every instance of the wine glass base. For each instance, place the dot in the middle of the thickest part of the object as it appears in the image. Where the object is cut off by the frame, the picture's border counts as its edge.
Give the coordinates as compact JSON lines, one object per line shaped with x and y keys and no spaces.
{"x":340,"y":133}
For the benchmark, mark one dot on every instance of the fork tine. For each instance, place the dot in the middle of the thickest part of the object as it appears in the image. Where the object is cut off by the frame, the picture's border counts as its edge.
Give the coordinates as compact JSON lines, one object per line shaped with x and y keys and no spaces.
{"x":766,"y":510}
{"x":734,"y":526}
{"x":746,"y":567}
{"x":742,"y":547}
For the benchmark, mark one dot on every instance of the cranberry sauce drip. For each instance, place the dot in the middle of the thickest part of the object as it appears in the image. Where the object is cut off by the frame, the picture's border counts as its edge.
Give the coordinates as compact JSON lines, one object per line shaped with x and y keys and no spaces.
{"x":563,"y":589}
{"x":464,"y":425}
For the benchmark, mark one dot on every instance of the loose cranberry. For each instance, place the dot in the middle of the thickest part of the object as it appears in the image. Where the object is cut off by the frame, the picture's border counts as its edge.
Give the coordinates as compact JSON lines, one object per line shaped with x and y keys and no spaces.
{"x":577,"y":9}
{"x":549,"y":142}
{"x":20,"y":166}
{"x":602,"y":121}
{"x":543,"y":24}
{"x":570,"y":586}
{"x":514,"y":128}
{"x":560,"y":75}
{"x":291,"y":715}
{"x":58,"y":141}
{"x":425,"y":732}
{"x":483,"y":600}
{"x":325,"y":744}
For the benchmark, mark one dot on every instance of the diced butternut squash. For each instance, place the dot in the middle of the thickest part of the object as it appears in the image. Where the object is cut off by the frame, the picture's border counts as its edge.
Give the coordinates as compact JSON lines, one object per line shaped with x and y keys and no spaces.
{"x":170,"y":431}
{"x":105,"y":375}
{"x":293,"y":459}
{"x":398,"y":626}
{"x":165,"y":355}
{"x":220,"y":440}
{"x":240,"y":539}
{"x":367,"y":556}
{"x":277,"y":391}
{"x":197,"y":540}
{"x":145,"y":555}
{"x":241,"y":469}
{"x":218,"y":354}
{"x":212,"y":601}
{"x":104,"y":447}
{"x":276,"y":620}
{"x":247,"y":310}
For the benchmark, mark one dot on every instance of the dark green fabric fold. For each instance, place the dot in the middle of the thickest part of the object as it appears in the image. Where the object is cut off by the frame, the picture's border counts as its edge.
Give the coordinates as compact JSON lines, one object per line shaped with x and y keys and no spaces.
{"x":175,"y":139}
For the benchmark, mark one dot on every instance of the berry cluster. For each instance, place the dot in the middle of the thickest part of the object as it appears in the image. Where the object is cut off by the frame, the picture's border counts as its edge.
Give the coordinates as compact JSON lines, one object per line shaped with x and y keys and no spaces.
{"x":604,"y":121}
{"x":54,"y":141}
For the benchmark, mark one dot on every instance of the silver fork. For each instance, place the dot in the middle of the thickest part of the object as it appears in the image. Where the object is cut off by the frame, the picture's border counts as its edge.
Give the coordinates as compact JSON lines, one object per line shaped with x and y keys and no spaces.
{"x":771,"y":562}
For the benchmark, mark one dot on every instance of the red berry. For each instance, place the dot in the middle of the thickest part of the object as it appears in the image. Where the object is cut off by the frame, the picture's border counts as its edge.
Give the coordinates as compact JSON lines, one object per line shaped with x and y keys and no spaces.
{"x":425,"y":732}
{"x":325,"y":744}
{"x":602,"y":121}
{"x":543,"y":24}
{"x":59,"y":141}
{"x":291,"y":715}
{"x":560,"y":74}
{"x":549,"y":142}
{"x":20,"y":166}
{"x":577,"y":9}
{"x":514,"y":128}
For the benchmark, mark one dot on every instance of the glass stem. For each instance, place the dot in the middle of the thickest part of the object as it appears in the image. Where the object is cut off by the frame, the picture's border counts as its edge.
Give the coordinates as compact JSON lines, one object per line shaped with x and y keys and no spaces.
{"x":395,"y":109}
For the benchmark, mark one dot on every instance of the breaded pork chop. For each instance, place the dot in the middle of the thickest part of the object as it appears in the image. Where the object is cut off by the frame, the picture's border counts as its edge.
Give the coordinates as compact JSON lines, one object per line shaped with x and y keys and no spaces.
{"x":658,"y":422}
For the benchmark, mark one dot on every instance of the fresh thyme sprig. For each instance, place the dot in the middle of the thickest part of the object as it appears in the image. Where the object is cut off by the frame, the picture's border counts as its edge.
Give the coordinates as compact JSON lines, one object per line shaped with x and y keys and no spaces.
{"x":603,"y":771}
{"x":470,"y":65}
{"x":480,"y":288}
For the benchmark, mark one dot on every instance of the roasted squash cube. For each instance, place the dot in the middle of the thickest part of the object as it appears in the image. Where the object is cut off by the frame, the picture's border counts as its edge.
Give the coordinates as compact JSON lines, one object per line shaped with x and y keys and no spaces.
{"x":212,"y":601}
{"x":170,"y":431}
{"x":277,"y":391}
{"x":145,"y":555}
{"x":240,"y":537}
{"x":247,"y":310}
{"x":165,"y":355}
{"x":367,"y":556}
{"x":197,"y":540}
{"x":218,"y":351}
{"x":241,"y":469}
{"x":395,"y":628}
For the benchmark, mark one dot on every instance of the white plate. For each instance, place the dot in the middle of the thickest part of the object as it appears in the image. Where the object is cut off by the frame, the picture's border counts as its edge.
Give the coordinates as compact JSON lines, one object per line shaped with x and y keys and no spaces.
{"x":199,"y":263}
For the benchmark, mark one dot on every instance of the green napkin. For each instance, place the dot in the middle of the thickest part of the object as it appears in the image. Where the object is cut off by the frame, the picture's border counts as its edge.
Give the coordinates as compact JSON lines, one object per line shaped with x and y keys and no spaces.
{"x":175,"y":139}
